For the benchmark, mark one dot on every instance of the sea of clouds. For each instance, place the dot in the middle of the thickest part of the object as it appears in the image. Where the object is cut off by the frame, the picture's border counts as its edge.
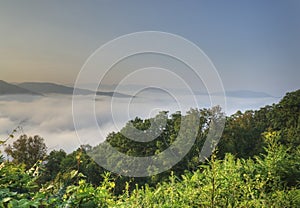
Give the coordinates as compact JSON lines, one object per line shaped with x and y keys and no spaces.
{"x":51,"y":116}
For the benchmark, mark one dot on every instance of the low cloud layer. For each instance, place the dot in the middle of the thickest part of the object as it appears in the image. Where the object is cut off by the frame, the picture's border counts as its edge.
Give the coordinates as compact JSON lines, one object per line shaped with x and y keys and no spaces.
{"x":51,"y":116}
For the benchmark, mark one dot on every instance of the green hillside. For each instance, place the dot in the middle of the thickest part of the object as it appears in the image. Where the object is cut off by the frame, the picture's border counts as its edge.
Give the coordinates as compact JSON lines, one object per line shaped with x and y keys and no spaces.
{"x":255,"y":164}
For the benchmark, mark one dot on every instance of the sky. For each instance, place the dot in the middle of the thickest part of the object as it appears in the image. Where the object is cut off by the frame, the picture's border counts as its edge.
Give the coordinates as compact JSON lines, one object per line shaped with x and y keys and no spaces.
{"x":254,"y":45}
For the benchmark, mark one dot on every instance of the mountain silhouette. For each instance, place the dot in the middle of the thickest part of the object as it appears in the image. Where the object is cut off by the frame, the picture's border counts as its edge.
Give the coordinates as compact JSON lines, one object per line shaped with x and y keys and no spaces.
{"x":46,"y":88}
{"x":11,"y":89}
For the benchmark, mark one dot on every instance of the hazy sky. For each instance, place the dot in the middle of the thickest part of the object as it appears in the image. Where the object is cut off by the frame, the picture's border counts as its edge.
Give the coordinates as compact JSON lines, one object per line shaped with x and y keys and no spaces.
{"x":254,"y":45}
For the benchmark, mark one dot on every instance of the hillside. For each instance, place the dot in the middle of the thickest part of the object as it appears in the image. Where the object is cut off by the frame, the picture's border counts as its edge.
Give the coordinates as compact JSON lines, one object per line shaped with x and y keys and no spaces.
{"x":46,"y":88}
{"x":10,"y":89}
{"x":43,"y":88}
{"x":256,"y":164}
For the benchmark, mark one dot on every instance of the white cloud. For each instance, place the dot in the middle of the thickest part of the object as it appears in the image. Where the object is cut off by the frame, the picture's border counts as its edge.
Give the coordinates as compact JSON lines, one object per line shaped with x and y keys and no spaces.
{"x":51,"y":117}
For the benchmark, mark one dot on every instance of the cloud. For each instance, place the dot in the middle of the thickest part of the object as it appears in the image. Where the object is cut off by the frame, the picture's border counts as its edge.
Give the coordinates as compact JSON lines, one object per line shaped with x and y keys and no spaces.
{"x":5,"y":124}
{"x":51,"y":117}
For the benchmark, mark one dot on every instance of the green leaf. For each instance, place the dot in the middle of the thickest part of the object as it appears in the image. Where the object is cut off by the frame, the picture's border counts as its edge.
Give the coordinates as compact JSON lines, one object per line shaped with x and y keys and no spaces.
{"x":6,"y":199}
{"x":73,"y":173}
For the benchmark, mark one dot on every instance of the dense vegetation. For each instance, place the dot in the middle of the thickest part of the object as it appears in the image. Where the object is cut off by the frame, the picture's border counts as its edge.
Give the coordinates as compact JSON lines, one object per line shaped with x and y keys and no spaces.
{"x":256,"y":164}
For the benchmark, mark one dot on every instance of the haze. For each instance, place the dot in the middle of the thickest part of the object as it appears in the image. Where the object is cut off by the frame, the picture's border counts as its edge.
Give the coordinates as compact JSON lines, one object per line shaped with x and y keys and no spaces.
{"x":253,"y":44}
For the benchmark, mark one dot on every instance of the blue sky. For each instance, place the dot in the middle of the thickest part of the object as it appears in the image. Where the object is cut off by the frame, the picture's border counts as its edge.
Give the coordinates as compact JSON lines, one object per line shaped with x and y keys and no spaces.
{"x":254,"y":45}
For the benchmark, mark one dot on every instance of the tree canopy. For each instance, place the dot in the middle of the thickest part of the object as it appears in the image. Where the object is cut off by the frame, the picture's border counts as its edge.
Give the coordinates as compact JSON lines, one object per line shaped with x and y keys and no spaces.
{"x":255,"y":164}
{"x":27,"y":150}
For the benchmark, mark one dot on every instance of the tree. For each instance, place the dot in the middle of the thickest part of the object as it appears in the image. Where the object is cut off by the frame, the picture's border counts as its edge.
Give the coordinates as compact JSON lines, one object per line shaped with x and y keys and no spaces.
{"x":242,"y":135}
{"x":27,"y":150}
{"x":286,"y":118}
{"x":52,"y":165}
{"x":80,"y":161}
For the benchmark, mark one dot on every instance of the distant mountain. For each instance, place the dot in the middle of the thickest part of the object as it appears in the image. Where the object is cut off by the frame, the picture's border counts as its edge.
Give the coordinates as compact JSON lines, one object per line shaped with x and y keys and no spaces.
{"x":232,"y":93}
{"x":236,"y":94}
{"x":247,"y":94}
{"x":10,"y":89}
{"x":113,"y":94}
{"x":41,"y":88}
{"x":46,"y":88}
{"x":241,"y":94}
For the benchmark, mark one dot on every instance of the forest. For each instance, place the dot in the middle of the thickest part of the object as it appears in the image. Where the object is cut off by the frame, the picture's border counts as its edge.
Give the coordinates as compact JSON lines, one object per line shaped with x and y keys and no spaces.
{"x":256,"y":163}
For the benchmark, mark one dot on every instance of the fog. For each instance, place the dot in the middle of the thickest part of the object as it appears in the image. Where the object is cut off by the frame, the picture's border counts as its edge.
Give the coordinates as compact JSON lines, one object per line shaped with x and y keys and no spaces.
{"x":51,"y":116}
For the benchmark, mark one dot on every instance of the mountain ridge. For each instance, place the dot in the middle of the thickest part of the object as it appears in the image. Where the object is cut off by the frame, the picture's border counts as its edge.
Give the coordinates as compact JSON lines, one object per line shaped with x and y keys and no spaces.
{"x":11,"y":89}
{"x":43,"y":88}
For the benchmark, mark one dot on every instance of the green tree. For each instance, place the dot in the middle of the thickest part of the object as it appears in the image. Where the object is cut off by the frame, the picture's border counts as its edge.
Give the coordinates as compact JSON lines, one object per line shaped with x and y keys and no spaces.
{"x":27,"y":150}
{"x":286,"y":118}
{"x":242,"y":135}
{"x":52,"y":165}
{"x":80,"y":161}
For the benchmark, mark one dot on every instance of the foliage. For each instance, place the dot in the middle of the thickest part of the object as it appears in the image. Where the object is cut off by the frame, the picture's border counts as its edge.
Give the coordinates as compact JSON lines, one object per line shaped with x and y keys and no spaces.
{"x":27,"y":150}
{"x":242,"y":133}
{"x":255,"y":165}
{"x":228,"y":182}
